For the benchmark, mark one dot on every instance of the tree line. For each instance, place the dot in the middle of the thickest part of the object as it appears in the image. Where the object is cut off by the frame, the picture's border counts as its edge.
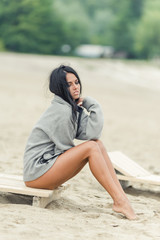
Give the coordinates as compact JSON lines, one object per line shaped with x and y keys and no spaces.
{"x":130,"y":26}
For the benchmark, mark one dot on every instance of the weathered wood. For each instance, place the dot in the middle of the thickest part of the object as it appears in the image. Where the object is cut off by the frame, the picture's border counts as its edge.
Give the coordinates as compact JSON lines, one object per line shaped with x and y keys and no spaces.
{"x":151,"y":179}
{"x":130,"y":170}
{"x":126,"y":166}
{"x":15,"y":184}
{"x":42,"y":202}
{"x":41,"y":197}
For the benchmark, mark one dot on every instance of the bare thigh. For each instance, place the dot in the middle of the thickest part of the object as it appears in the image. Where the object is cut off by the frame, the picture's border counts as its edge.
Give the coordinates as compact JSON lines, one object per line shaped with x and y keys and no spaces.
{"x":65,"y":167}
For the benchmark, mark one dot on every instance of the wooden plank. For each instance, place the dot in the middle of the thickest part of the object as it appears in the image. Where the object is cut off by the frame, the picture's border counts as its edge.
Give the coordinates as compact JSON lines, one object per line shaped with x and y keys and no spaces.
{"x":126,"y":166}
{"x":43,"y":202}
{"x":41,"y":197}
{"x":152,"y":179}
{"x":10,"y":176}
{"x":130,"y":170}
{"x":15,"y":184}
{"x":20,"y":188}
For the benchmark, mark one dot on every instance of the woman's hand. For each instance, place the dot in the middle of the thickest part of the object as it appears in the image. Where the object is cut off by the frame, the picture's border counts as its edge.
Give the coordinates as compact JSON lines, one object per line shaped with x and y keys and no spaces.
{"x":80,"y":101}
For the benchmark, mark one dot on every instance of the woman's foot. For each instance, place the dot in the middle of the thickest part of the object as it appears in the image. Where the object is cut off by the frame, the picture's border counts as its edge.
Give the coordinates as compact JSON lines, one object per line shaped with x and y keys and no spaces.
{"x":123,"y":206}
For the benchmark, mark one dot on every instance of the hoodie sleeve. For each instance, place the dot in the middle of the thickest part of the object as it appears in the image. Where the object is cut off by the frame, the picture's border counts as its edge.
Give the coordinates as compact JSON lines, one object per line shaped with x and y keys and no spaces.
{"x":91,"y":124}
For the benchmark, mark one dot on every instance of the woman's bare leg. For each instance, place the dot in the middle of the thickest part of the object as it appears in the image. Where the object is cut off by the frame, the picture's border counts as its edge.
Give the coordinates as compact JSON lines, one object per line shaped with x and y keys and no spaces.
{"x":74,"y":159}
{"x":112,"y":171}
{"x":110,"y":166}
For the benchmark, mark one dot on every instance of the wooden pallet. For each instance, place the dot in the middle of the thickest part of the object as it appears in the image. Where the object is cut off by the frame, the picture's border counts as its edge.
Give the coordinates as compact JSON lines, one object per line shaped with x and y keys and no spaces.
{"x":130,"y":170}
{"x":41,"y":197}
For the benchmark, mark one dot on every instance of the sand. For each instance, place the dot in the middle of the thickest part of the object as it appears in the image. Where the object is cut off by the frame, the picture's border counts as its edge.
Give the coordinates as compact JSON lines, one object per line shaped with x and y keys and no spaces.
{"x":129,"y":93}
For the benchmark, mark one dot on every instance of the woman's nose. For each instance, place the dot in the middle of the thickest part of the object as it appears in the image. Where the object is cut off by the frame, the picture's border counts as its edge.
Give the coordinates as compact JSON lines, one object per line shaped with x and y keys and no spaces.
{"x":75,"y":86}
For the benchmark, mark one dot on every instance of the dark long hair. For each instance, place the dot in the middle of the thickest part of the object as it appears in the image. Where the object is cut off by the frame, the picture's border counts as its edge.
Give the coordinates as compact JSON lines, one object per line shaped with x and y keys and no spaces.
{"x":59,"y":86}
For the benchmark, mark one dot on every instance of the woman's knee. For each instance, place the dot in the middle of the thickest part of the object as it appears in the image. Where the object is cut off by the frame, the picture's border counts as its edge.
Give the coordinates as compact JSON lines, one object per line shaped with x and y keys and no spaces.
{"x":100,"y":144}
{"x":93,"y":146}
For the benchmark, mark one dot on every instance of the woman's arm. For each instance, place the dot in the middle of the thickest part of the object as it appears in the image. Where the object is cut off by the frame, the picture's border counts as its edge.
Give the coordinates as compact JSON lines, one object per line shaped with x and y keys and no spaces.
{"x":91,"y":124}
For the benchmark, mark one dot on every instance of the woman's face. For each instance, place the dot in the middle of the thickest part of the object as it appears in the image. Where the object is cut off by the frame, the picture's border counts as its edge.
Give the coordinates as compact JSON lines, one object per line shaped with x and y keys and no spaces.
{"x":74,"y":86}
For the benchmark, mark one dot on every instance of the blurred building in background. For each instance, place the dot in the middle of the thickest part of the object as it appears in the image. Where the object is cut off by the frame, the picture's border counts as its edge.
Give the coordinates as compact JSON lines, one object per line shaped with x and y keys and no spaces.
{"x":94,"y":51}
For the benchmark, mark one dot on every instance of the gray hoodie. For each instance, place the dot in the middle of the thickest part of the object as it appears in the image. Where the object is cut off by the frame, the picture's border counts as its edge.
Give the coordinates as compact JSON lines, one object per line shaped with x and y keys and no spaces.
{"x":54,"y":133}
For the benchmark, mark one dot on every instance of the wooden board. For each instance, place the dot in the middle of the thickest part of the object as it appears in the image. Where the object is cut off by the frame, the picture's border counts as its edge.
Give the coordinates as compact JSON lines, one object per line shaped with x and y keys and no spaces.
{"x":126,"y":166}
{"x":41,"y":197}
{"x":152,"y":179}
{"x":130,"y":170}
{"x":15,"y":184}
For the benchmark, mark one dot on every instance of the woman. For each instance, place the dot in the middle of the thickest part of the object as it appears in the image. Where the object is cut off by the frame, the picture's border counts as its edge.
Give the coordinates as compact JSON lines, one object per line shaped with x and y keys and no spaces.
{"x":51,"y":158}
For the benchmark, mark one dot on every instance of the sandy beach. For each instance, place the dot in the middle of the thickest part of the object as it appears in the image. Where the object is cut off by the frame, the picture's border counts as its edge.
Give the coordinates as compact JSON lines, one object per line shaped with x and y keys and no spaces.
{"x":129,"y":92}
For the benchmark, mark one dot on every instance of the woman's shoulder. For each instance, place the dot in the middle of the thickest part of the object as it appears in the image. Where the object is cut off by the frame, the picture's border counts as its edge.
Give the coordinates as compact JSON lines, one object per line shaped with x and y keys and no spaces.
{"x":60,"y":106}
{"x":53,"y":116}
{"x":60,"y":102}
{"x":55,"y":111}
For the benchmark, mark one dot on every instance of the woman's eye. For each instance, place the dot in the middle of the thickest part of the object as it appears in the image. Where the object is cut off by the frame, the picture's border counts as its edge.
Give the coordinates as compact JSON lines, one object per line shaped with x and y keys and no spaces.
{"x":70,"y":84}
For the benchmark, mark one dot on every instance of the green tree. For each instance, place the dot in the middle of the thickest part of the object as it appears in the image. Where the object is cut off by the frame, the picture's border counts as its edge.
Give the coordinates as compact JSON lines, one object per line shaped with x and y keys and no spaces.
{"x":147,"y":39}
{"x":76,"y":21}
{"x":90,"y":19}
{"x":42,"y":26}
{"x":128,"y":13}
{"x":30,"y":26}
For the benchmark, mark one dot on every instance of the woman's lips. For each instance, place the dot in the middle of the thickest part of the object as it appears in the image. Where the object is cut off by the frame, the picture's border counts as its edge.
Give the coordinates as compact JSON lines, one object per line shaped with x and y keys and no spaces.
{"x":76,"y":93}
